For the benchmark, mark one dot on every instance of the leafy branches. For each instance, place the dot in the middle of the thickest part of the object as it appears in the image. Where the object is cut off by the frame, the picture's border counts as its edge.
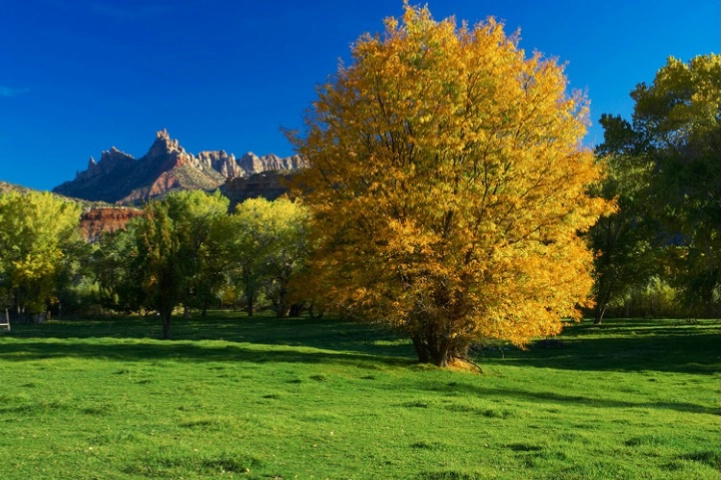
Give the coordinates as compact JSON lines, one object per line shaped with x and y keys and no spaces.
{"x":36,"y":230}
{"x":436,"y":161}
{"x":664,"y":170}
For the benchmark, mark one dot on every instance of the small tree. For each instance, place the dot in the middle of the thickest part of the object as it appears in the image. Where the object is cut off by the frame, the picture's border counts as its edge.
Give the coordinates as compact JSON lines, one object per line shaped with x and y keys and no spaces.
{"x":448,"y":186}
{"x":247,"y":249}
{"x":165,"y":262}
{"x":288,"y":231}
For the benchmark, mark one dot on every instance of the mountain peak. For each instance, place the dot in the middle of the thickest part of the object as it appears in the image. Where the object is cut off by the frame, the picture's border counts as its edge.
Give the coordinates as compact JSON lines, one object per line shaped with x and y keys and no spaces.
{"x":118,"y":177}
{"x":164,"y":145}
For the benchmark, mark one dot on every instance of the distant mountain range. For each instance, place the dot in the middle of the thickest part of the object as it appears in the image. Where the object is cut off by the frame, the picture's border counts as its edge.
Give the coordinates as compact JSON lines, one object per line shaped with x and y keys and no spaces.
{"x":119,"y":178}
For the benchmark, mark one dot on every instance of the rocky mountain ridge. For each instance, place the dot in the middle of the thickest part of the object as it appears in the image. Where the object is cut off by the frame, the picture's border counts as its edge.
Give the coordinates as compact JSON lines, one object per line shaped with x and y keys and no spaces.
{"x":119,"y":178}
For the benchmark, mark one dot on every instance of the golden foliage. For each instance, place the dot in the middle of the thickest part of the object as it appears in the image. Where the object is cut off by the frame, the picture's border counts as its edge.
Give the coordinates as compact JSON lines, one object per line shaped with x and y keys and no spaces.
{"x":448,"y":186}
{"x":35,"y":230}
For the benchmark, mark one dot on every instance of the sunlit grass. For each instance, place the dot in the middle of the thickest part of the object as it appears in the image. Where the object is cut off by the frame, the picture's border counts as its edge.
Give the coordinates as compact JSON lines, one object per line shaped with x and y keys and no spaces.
{"x":234,"y":397}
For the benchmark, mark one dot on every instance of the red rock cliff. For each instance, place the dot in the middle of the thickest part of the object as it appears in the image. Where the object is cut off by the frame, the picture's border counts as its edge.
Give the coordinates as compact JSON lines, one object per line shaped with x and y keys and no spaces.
{"x":98,"y":220}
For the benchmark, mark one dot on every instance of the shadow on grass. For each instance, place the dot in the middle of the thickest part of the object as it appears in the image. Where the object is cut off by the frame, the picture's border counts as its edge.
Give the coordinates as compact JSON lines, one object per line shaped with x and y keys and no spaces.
{"x":480,"y":391}
{"x":230,"y":326}
{"x":627,"y":345}
{"x":134,"y":339}
{"x":139,"y":350}
{"x":618,"y":345}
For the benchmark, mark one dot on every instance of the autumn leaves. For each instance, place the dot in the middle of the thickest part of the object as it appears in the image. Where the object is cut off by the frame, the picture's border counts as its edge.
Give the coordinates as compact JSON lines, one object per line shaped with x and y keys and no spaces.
{"x":449,"y":186}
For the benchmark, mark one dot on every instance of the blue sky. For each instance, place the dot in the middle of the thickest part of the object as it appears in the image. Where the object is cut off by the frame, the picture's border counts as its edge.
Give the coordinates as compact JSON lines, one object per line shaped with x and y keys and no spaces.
{"x":80,"y":76}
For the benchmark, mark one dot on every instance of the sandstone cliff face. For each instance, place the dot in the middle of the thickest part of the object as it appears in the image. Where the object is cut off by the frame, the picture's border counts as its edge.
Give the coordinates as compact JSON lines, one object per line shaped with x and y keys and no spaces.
{"x":221,"y":162}
{"x":96,"y":221}
{"x":269,"y":185}
{"x":251,"y":163}
{"x":120,"y":178}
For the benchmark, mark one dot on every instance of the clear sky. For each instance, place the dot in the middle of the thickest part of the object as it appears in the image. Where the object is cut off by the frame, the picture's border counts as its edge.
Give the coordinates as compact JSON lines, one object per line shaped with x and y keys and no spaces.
{"x":80,"y":76}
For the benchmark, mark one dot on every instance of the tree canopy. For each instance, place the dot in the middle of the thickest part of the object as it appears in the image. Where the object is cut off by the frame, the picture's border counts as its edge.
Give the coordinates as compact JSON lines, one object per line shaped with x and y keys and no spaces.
{"x":172,"y":255}
{"x":35,"y":231}
{"x":448,"y":186}
{"x":623,"y":239}
{"x":269,"y":244}
{"x":667,"y":160}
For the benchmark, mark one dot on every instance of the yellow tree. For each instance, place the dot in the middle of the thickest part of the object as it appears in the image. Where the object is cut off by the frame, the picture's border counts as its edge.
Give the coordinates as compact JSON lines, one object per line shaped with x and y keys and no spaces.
{"x":448,"y":186}
{"x":36,"y":231}
{"x":269,"y":247}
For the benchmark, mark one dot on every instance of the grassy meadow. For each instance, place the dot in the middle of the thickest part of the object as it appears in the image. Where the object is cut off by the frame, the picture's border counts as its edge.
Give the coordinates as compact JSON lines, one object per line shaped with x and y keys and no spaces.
{"x":238,"y":398}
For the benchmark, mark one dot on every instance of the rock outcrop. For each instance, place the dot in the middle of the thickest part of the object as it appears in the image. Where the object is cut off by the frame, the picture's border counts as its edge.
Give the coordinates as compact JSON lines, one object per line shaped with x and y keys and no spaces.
{"x":99,"y":220}
{"x":269,"y":185}
{"x":251,"y":164}
{"x":221,"y":162}
{"x":119,"y":178}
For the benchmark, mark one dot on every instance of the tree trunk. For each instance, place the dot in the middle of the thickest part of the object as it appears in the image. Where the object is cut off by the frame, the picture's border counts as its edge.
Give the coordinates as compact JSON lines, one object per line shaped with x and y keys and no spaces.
{"x":283,"y":309}
{"x":431,"y":349}
{"x":296,"y":309}
{"x":313,"y":312}
{"x":165,"y":316}
{"x":601,"y":306}
{"x":441,"y":354}
{"x":250,"y":297}
{"x":20,"y":309}
{"x":421,"y":349}
{"x":598,"y":314}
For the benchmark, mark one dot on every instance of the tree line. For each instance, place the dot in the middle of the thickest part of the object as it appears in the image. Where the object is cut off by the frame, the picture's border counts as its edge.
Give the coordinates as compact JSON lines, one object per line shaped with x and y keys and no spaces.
{"x":185,"y":250}
{"x":448,"y":196}
{"x":664,"y":172}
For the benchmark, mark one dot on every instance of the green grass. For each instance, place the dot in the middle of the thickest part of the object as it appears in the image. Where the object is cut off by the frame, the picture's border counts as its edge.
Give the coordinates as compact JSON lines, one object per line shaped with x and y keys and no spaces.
{"x":261,"y":398}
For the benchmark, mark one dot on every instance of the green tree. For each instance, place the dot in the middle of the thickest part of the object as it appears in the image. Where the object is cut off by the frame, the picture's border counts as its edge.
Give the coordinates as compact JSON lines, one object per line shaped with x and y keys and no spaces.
{"x":36,"y":230}
{"x":118,"y":271}
{"x":270,"y":244}
{"x":75,"y":282}
{"x":676,"y":129}
{"x":287,"y":231}
{"x":448,"y":187}
{"x":248,"y":248}
{"x":623,"y":240}
{"x":166,"y":258}
{"x":202,"y":219}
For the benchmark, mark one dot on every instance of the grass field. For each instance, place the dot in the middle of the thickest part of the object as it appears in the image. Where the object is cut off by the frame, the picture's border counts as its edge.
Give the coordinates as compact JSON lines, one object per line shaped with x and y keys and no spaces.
{"x":233,"y":397}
